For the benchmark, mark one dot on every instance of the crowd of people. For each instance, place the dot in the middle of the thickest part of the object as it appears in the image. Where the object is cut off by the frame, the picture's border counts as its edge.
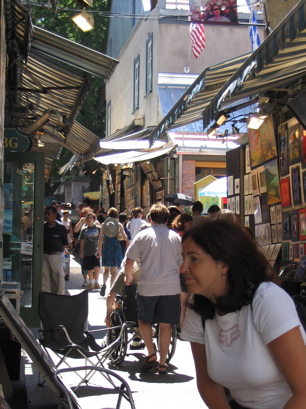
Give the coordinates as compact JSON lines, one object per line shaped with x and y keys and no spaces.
{"x":207,"y":276}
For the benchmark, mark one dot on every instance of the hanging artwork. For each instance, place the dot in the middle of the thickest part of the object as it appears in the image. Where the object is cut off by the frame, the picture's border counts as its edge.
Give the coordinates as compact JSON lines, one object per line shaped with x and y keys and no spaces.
{"x":272,"y":182}
{"x":285,"y":192}
{"x":296,"y":185}
{"x":283,"y":150}
{"x":262,"y":143}
{"x":294,"y":143}
{"x":303,"y":147}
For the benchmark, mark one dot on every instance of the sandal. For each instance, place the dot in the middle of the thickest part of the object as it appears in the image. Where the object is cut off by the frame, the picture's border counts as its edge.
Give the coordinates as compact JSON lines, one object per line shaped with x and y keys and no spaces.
{"x":148,"y":363}
{"x":162,"y":369}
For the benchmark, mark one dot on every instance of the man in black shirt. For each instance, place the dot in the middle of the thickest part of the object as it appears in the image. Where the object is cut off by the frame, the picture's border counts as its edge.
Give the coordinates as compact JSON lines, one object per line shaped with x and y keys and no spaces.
{"x":55,"y":240}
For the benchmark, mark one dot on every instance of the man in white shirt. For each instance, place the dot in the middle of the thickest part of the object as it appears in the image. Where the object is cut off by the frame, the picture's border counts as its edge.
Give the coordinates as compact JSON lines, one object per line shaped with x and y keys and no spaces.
{"x":137,"y":222}
{"x":158,"y":290}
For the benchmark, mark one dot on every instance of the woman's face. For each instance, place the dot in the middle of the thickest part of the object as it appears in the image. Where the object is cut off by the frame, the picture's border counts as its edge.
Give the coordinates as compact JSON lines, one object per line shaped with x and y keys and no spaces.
{"x":203,"y":274}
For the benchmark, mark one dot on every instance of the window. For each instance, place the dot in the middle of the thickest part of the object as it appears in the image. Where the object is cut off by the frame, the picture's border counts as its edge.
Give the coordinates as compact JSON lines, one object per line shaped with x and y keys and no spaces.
{"x":108,"y":119}
{"x":136,"y":83}
{"x":149,"y":64}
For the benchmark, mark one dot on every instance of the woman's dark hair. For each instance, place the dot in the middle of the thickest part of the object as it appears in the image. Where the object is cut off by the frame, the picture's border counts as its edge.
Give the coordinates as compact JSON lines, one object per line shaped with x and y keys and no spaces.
{"x":178,"y":223}
{"x":248,"y":268}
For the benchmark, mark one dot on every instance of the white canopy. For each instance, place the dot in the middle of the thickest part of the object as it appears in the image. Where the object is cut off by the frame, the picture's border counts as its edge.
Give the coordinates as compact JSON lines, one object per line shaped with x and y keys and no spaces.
{"x":217,"y":188}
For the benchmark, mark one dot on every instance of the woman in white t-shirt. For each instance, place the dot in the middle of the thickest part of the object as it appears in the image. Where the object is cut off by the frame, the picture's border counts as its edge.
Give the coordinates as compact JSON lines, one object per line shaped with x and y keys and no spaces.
{"x":244,"y":330}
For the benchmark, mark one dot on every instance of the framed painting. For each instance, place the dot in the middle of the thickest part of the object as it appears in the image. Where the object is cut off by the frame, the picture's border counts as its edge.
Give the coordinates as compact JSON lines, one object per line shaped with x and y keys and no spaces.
{"x":272,"y":215}
{"x":303,"y":147}
{"x":254,"y":176}
{"x":262,"y":143}
{"x":294,"y":225}
{"x":257,"y":211}
{"x":294,"y":143}
{"x":304,"y":184}
{"x":285,"y":192}
{"x":283,"y":150}
{"x":296,"y":185}
{"x":296,"y":252}
{"x":285,"y":251}
{"x":272,"y":182}
{"x":262,"y":179}
{"x":247,"y":159}
{"x":302,"y":223}
{"x":278,"y":210}
{"x":286,"y":226}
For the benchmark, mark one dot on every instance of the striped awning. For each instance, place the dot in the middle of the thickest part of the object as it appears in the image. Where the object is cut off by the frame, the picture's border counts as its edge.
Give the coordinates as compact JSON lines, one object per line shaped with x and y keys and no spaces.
{"x":277,"y":63}
{"x":198,"y":96}
{"x":45,"y":79}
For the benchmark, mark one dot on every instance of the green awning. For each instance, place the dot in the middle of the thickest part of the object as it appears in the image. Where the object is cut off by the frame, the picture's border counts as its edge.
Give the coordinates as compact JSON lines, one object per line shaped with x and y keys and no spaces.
{"x":278,"y":62}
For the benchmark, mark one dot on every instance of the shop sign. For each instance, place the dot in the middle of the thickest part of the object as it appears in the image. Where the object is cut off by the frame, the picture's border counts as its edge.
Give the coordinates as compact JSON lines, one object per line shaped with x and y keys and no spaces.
{"x":15,"y":141}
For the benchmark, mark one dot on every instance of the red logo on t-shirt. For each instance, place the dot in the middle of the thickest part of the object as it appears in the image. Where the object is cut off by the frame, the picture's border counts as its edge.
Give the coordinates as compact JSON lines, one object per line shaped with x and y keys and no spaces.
{"x":228,"y":336}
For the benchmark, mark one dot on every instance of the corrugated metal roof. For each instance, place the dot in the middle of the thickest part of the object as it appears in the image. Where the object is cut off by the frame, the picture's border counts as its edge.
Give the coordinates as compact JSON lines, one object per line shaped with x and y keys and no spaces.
{"x":72,"y":53}
{"x":42,"y":82}
{"x":280,"y":60}
{"x":190,"y":106}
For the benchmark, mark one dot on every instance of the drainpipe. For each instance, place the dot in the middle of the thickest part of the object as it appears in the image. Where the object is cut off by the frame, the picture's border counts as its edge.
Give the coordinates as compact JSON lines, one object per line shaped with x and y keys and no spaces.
{"x":180,"y":161}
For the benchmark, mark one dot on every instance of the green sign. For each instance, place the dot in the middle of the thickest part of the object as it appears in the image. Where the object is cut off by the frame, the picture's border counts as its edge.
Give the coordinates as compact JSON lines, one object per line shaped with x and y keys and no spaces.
{"x":15,"y":141}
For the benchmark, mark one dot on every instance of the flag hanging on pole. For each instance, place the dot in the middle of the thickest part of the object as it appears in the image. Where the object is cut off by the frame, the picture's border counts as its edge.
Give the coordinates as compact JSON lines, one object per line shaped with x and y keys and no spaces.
{"x":197,"y":35}
{"x":254,"y":36}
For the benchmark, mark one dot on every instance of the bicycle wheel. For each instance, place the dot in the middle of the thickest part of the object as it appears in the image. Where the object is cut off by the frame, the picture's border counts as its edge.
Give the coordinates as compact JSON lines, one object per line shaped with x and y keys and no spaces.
{"x":117,"y":318}
{"x":173,"y":340}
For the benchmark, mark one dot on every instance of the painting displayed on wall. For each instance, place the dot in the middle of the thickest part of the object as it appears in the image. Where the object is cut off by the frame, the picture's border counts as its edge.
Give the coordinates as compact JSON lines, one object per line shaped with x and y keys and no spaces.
{"x":285,"y":192}
{"x":262,"y":143}
{"x":278,"y":210}
{"x":283,"y":150}
{"x":303,"y":147}
{"x":302,"y":224}
{"x":272,"y":181}
{"x":247,"y":159}
{"x":257,"y":211}
{"x":286,"y":226}
{"x":296,"y":185}
{"x":254,"y":179}
{"x":294,"y":144}
{"x":304,"y":184}
{"x":262,"y":179}
{"x":294,"y":226}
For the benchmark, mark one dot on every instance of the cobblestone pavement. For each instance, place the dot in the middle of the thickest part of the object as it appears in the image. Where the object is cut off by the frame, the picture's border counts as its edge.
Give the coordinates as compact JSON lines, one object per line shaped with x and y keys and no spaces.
{"x":175,"y":390}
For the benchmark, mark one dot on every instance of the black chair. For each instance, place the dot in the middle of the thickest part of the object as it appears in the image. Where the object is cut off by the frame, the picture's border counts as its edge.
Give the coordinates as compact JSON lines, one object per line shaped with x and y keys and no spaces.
{"x":110,"y":384}
{"x":64,"y":320}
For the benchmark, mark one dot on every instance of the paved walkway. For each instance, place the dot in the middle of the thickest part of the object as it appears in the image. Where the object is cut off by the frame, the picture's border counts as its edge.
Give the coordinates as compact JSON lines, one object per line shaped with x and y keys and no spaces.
{"x":151,"y":391}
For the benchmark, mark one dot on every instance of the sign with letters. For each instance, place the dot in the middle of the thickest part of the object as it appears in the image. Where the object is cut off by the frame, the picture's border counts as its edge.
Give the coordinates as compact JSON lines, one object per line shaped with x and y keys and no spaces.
{"x":15,"y":141}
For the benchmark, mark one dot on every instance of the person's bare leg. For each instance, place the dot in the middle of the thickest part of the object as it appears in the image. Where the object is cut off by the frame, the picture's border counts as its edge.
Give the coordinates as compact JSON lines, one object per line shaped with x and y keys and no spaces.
{"x":109,"y":306}
{"x":105,"y":275}
{"x":96,"y":273}
{"x":113,"y":275}
{"x":146,"y":334}
{"x":164,"y":341}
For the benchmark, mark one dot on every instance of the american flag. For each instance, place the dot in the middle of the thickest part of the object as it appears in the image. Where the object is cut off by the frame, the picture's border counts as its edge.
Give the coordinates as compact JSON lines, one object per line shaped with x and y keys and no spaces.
{"x":197,"y":35}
